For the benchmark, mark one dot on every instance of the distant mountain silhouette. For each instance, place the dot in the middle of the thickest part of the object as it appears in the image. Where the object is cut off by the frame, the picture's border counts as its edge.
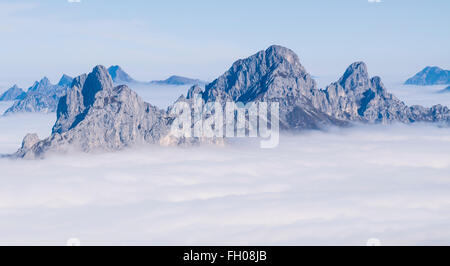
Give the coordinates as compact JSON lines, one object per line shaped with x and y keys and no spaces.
{"x":119,"y":76}
{"x":42,"y":97}
{"x":178,"y":80}
{"x":430,"y":76}
{"x":65,"y":81}
{"x":12,"y":94}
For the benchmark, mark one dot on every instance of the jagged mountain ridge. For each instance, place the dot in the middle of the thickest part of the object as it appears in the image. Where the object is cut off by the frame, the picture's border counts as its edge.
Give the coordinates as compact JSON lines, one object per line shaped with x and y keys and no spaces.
{"x":95,"y":115}
{"x":277,"y":75}
{"x":42,"y":96}
{"x":357,"y":97}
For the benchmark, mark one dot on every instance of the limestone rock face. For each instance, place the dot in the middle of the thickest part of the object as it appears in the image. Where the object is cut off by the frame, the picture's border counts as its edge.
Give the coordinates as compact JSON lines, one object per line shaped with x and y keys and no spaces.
{"x":276,"y":75}
{"x":96,"y":116}
{"x":273,"y":75}
{"x":12,"y":94}
{"x":193,"y":91}
{"x":357,"y":97}
{"x":28,"y":142}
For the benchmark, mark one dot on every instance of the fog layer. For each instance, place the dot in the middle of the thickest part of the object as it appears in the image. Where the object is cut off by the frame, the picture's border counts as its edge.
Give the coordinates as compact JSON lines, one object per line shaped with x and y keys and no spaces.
{"x":318,"y":188}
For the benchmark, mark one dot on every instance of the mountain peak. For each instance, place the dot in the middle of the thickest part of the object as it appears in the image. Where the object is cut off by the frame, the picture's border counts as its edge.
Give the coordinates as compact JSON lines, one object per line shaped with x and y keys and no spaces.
{"x":12,"y":94}
{"x":118,"y":75}
{"x":267,"y":74}
{"x":65,"y":80}
{"x":355,"y":76}
{"x":430,"y":75}
{"x":99,"y":79}
{"x":44,"y":81}
{"x":40,"y":86}
{"x":281,"y":52}
{"x":432,"y":68}
{"x":357,"y":67}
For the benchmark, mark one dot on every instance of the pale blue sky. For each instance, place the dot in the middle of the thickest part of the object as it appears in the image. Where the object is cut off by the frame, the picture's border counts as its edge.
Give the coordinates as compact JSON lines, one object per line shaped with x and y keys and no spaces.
{"x":201,"y":39}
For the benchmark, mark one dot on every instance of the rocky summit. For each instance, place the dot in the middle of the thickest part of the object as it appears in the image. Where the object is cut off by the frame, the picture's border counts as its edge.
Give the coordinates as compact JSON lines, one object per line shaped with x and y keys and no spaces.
{"x":357,"y":97}
{"x":276,"y":75}
{"x":96,"y":115}
{"x":430,"y":76}
{"x":273,"y":75}
{"x":12,"y":94}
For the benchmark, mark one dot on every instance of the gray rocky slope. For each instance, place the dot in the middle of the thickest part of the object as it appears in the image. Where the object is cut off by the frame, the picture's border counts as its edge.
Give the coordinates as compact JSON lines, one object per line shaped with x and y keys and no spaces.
{"x":96,"y":116}
{"x":42,"y":97}
{"x":357,"y":97}
{"x":277,"y":75}
{"x":12,"y":94}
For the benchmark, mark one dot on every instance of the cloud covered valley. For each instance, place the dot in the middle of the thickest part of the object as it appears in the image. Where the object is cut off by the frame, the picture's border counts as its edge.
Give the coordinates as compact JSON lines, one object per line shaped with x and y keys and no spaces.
{"x":342,"y":186}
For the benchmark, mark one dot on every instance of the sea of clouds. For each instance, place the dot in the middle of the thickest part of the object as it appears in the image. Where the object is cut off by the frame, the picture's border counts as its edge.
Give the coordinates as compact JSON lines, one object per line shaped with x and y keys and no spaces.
{"x":420,"y":95}
{"x":343,"y":187}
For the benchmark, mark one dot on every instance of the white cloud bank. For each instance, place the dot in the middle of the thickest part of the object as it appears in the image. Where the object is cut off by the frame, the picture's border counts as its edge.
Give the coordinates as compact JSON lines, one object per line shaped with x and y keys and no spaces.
{"x":341,"y":187}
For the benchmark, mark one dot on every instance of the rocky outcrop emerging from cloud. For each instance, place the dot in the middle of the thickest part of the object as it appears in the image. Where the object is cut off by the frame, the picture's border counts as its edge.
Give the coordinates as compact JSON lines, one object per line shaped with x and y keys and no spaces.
{"x":273,"y":75}
{"x":358,"y":98}
{"x":95,"y":115}
{"x":12,"y":94}
{"x":430,"y":76}
{"x":276,"y":75}
{"x":42,"y":97}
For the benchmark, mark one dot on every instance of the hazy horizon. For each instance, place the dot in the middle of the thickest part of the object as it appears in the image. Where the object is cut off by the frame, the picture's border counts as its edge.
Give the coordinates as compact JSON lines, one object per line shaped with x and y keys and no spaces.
{"x":155,"y":40}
